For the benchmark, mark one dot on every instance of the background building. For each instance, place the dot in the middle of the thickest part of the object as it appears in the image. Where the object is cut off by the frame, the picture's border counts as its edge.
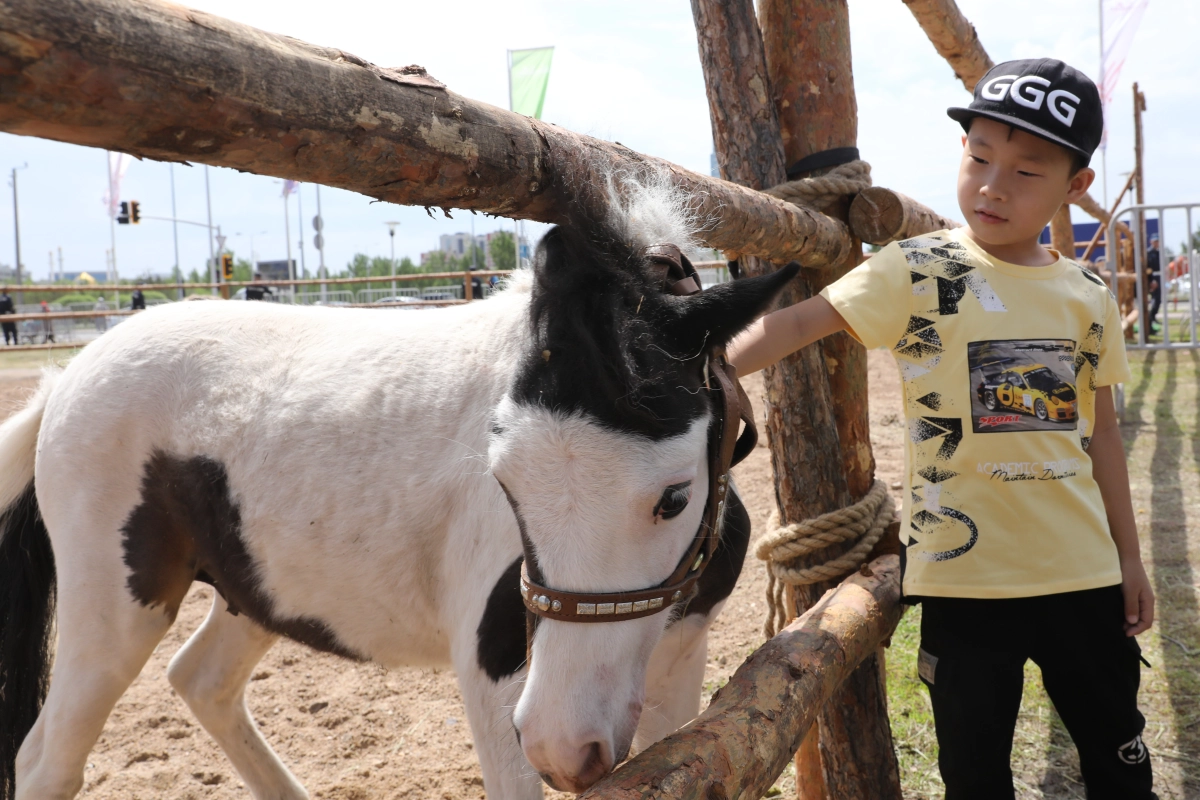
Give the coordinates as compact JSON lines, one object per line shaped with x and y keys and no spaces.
{"x":458,"y":245}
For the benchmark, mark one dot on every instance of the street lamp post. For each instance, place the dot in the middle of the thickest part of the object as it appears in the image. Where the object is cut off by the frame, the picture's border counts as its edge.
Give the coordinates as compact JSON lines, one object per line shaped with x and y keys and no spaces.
{"x":253,"y":254}
{"x":392,"y":234}
{"x":17,"y":233}
{"x":212,"y":253}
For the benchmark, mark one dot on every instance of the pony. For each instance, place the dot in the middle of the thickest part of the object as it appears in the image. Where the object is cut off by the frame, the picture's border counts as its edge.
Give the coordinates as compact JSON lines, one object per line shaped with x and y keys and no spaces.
{"x":360,"y":481}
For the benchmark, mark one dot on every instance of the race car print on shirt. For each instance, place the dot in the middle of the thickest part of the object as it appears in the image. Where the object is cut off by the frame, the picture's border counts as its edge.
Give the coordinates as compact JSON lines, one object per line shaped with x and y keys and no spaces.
{"x":1022,"y":385}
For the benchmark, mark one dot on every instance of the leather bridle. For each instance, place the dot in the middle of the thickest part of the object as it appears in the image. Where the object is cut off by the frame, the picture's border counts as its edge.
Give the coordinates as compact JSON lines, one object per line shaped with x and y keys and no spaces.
{"x":725,"y":448}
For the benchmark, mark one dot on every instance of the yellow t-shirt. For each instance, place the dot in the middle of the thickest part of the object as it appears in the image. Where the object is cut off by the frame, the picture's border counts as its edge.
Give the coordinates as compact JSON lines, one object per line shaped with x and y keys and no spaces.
{"x":999,"y":365}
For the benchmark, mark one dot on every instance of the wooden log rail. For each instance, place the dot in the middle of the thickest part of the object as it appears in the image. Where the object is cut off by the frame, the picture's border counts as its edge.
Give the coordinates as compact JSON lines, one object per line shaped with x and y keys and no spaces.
{"x":169,"y":83}
{"x":742,"y":742}
{"x":165,"y":82}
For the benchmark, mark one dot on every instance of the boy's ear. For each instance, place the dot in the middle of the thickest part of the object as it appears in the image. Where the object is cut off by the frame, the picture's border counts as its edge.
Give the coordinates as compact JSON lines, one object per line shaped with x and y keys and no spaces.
{"x":1080,"y":183}
{"x":716,"y":315}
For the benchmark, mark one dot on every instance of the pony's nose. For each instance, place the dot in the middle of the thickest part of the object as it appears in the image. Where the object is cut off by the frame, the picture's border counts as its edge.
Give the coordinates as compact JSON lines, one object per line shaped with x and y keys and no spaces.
{"x":577,"y":771}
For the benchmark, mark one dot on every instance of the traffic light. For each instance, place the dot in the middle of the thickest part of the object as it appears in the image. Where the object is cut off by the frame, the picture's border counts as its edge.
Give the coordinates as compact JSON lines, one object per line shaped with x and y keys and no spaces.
{"x":135,"y":212}
{"x":123,"y":217}
{"x":227,"y":266}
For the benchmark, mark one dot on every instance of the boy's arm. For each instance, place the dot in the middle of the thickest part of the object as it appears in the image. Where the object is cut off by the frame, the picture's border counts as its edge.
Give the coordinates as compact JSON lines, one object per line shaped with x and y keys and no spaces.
{"x":1108,"y":468}
{"x":782,"y":333}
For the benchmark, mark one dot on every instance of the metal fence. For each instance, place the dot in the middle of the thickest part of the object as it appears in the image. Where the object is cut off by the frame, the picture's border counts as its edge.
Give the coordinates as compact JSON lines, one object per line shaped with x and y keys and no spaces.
{"x":1176,"y":286}
{"x":1173,"y":293}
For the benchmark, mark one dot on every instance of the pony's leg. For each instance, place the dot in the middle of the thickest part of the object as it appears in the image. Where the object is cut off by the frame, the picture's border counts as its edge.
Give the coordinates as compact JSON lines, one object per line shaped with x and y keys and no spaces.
{"x":506,"y":773}
{"x":105,"y":638}
{"x":210,"y":673}
{"x":674,"y":679}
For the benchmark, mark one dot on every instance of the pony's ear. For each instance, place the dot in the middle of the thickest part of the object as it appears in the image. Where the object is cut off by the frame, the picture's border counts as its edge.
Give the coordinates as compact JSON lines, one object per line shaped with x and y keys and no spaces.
{"x":716,"y":315}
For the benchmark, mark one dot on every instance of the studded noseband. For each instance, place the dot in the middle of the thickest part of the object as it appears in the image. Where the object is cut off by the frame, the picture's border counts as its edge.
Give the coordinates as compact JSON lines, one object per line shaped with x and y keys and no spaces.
{"x":725,"y":448}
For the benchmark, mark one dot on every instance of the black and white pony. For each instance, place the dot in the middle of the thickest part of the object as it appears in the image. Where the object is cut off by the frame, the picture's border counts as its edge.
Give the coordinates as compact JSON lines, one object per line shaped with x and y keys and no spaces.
{"x":336,"y":475}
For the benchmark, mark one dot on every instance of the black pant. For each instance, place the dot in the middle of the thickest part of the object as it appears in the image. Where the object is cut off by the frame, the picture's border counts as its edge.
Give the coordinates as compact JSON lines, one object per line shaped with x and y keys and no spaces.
{"x":10,"y":329}
{"x":1155,"y":298}
{"x":972,"y":659}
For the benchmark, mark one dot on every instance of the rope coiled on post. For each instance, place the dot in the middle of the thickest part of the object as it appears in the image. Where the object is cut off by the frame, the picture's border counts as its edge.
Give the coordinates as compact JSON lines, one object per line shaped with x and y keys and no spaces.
{"x":863,"y":523}
{"x":822,"y":191}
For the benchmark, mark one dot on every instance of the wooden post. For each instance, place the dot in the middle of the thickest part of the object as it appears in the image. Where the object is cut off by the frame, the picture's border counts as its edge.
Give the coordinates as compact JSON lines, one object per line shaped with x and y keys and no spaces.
{"x":468,"y":295}
{"x":800,"y":419}
{"x":1062,"y":233}
{"x":807,"y":46}
{"x":1141,"y":240}
{"x":816,"y":398}
{"x":1139,"y":105}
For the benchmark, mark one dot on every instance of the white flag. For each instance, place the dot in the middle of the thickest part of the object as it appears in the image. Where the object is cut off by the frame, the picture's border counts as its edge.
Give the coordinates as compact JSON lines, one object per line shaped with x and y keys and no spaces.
{"x":117,"y":164}
{"x":1119,"y":20}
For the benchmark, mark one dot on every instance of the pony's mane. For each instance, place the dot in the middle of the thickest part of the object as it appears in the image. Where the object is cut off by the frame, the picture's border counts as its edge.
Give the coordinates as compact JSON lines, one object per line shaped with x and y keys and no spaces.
{"x":601,"y":317}
{"x":648,"y":209}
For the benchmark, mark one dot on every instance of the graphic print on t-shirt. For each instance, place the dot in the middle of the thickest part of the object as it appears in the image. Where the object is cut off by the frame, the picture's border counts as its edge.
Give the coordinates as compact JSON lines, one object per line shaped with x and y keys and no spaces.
{"x":1023,"y":385}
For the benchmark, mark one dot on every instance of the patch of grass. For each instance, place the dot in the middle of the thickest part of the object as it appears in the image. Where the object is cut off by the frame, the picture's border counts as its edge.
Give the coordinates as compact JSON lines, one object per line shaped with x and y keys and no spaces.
{"x":35,"y":359}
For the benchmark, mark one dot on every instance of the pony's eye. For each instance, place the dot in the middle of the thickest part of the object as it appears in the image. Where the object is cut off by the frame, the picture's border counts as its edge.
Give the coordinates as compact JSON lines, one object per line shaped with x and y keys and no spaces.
{"x":673,"y":501}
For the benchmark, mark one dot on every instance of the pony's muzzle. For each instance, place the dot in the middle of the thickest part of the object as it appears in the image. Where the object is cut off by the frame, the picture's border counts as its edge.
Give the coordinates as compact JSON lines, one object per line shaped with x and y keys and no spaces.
{"x":593,"y":761}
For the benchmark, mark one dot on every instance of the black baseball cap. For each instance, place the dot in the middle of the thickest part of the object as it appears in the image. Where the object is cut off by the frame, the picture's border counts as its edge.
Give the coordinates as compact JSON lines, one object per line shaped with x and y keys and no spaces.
{"x":1042,"y":96}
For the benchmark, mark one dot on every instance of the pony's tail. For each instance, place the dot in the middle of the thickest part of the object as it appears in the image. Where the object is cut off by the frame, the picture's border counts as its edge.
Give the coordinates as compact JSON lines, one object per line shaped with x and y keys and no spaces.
{"x":27,"y":586}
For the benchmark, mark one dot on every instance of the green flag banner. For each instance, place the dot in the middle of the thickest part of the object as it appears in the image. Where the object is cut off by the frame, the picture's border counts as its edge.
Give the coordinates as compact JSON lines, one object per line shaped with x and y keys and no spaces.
{"x":528,"y":75}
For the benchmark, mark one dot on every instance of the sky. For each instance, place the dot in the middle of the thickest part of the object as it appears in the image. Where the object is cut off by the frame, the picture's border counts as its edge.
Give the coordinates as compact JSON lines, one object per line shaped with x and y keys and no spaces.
{"x":621,"y":69}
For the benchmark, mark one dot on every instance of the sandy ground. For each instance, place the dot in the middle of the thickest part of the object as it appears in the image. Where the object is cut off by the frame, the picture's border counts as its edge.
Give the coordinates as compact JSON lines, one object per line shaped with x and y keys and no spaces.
{"x":359,"y":731}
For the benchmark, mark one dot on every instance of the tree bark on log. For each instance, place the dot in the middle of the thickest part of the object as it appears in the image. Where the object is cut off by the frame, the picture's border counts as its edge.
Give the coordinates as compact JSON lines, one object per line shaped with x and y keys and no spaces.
{"x":954,"y":37}
{"x":165,"y":82}
{"x":1062,"y":234}
{"x":807,"y":46}
{"x":881,"y":216}
{"x":740,"y":743}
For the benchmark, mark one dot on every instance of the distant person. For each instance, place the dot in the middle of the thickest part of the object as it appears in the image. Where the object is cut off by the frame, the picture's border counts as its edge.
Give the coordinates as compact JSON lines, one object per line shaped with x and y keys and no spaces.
{"x":494,"y":281}
{"x":7,"y":307}
{"x":258,"y":290}
{"x":102,"y":320}
{"x":1178,"y":267}
{"x":1153,"y":283}
{"x":137,"y":300}
{"x":47,"y":325}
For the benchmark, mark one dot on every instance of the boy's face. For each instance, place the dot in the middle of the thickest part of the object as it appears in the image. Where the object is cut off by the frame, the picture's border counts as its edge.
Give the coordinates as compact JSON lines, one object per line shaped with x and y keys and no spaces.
{"x":1011,"y":183}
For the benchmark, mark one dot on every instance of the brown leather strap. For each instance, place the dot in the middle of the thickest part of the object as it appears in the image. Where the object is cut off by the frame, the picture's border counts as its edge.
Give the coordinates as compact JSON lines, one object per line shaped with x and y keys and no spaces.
{"x":731,"y":407}
{"x":679,"y":277}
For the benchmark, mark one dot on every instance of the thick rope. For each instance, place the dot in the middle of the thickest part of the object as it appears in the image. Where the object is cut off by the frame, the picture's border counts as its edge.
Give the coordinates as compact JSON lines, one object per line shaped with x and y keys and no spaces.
{"x":863,"y":523}
{"x":821,"y":192}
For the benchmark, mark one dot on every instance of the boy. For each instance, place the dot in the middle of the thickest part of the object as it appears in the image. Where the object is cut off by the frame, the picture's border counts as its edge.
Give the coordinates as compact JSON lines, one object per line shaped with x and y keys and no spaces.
{"x":1018,"y":531}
